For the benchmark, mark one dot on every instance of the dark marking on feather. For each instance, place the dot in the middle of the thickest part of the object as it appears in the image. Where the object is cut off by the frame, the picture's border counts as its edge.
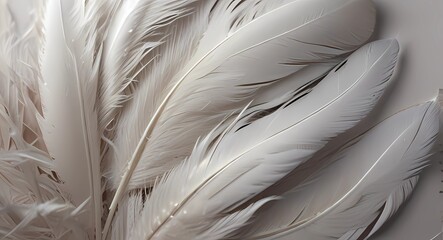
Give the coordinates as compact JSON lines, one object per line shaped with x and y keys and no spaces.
{"x":258,"y":84}
{"x":369,"y":228}
{"x":213,"y":7}
{"x":341,"y":65}
{"x":230,"y":5}
{"x":319,"y":45}
{"x":263,"y":113}
{"x":238,"y":5}
{"x":302,"y":91}
{"x":298,"y":62}
{"x":298,"y":93}
{"x":240,"y":128}
{"x":295,"y":99}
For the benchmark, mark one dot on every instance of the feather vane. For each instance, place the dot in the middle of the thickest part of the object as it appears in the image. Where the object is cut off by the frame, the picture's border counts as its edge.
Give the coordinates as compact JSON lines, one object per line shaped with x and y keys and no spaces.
{"x":337,"y":202}
{"x":222,"y":172}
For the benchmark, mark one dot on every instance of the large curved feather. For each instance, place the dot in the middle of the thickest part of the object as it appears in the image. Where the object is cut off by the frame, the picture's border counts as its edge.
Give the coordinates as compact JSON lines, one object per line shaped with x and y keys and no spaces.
{"x":222,"y":173}
{"x":221,"y":78}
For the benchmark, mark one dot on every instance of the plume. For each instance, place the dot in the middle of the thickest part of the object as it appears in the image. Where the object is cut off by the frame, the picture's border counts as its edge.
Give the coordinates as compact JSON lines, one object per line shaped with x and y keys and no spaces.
{"x":364,"y":184}
{"x":68,"y":93}
{"x":223,"y":172}
{"x":134,"y":31}
{"x":211,"y":84}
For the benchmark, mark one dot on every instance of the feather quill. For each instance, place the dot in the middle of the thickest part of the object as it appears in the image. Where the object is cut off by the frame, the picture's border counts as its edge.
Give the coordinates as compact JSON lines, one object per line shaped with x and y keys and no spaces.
{"x":364,"y":186}
{"x":225,"y":171}
{"x":69,"y":120}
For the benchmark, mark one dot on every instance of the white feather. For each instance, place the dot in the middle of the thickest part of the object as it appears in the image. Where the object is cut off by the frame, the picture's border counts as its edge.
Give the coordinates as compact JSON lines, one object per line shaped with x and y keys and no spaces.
{"x":118,"y":92}
{"x":221,"y":78}
{"x":31,"y":205}
{"x":223,"y":73}
{"x":173,"y":53}
{"x":135,"y":31}
{"x":69,"y":120}
{"x":182,"y":37}
{"x":364,"y":186}
{"x":126,"y":217}
{"x":224,"y":172}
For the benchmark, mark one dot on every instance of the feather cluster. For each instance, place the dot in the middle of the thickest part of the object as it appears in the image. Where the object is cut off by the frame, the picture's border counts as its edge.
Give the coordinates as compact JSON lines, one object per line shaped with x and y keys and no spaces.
{"x":201,"y":119}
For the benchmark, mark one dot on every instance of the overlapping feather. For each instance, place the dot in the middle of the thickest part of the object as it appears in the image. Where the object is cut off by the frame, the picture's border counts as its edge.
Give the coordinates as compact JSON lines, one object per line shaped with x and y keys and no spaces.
{"x":225,"y":171}
{"x":364,"y":184}
{"x":134,"y":32}
{"x":211,"y":83}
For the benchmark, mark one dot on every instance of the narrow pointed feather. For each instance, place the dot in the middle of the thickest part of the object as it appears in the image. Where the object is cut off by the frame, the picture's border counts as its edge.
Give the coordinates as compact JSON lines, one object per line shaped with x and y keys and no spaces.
{"x":363,"y":187}
{"x":69,"y":121}
{"x":226,"y":169}
{"x":222,"y":76}
{"x":134,"y":31}
{"x":182,"y":38}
